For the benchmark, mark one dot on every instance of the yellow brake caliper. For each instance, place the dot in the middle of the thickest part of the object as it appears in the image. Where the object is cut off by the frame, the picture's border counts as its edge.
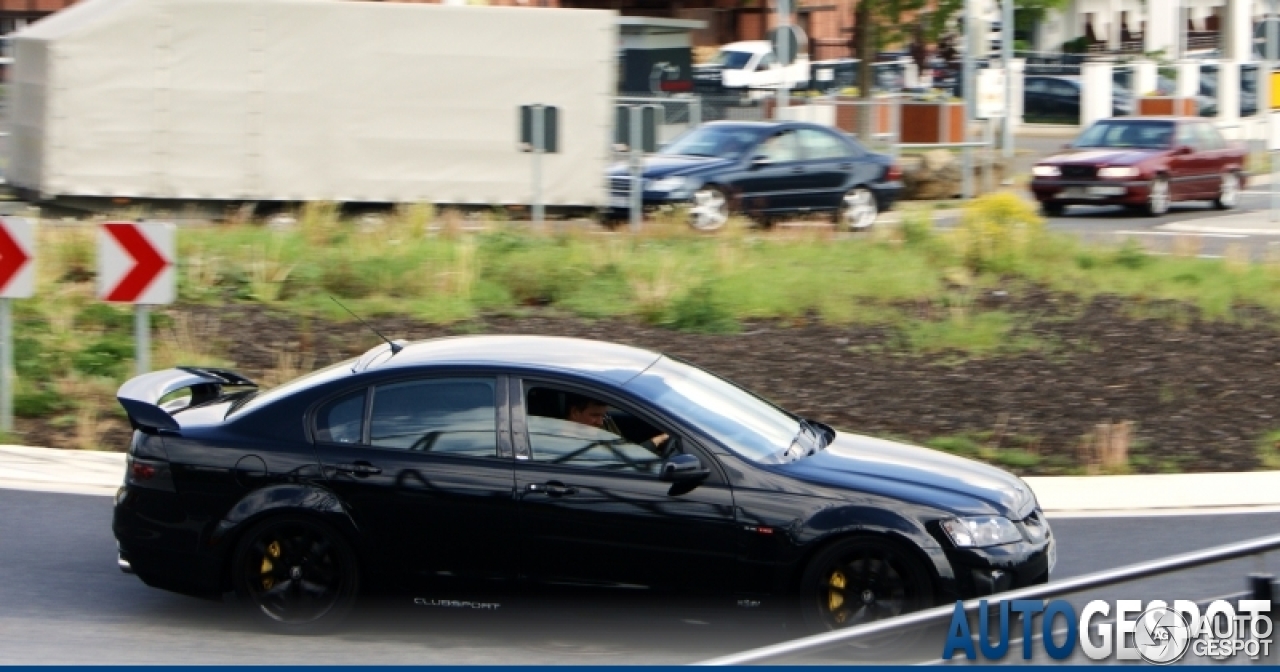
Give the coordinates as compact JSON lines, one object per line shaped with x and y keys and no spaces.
{"x":835,"y":596}
{"x":273,"y":551}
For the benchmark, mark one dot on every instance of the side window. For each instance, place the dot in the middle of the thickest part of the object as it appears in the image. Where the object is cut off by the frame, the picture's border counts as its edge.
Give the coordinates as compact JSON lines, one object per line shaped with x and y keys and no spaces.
{"x":766,"y":62}
{"x":781,"y":147}
{"x":341,"y":420}
{"x":455,"y":416}
{"x":1034,"y":85}
{"x":1187,"y":136}
{"x":1209,"y":137}
{"x":573,"y":430}
{"x":822,"y":145}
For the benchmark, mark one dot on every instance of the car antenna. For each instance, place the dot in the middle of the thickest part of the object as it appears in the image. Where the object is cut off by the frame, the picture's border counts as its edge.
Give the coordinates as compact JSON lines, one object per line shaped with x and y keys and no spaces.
{"x":395,"y":347}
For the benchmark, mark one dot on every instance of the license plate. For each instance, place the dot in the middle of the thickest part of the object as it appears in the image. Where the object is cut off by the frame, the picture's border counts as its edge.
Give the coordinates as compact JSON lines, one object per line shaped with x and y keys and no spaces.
{"x":1106,"y":191}
{"x":620,"y":202}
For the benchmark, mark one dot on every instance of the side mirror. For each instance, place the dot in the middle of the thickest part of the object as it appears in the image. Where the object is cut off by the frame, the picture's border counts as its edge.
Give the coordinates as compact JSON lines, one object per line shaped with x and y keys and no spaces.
{"x":1067,"y":146}
{"x":1183,"y":151}
{"x":682,"y":468}
{"x":760,"y":160}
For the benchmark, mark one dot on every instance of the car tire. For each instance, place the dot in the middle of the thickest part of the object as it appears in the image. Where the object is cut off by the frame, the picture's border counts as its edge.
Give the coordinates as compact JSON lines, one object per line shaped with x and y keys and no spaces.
{"x":861,"y":580}
{"x":295,"y":575}
{"x":709,"y":210}
{"x":1050,"y":209}
{"x":1158,"y":199}
{"x":1228,"y":192}
{"x":858,"y":210}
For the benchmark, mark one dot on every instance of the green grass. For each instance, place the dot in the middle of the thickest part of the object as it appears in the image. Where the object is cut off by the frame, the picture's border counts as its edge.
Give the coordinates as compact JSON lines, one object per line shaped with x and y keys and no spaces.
{"x":1269,"y":450}
{"x":922,"y":286}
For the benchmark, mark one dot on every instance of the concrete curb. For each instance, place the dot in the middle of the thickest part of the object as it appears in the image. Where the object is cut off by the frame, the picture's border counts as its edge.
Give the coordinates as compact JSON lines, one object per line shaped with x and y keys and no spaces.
{"x":91,"y":473}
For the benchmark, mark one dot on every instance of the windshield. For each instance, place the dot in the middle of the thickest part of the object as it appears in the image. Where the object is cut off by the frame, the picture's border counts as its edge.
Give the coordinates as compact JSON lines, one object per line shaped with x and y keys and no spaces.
{"x":1137,"y":134}
{"x":718,"y":141}
{"x":732,"y":60}
{"x":748,"y":425}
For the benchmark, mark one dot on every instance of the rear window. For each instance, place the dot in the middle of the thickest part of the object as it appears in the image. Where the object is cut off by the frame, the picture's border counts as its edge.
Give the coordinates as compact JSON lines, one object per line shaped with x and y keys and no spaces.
{"x":320,"y":377}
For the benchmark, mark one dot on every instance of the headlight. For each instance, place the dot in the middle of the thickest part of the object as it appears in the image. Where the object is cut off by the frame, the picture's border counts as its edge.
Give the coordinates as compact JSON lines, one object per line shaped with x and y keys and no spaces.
{"x":1118,"y":171}
{"x":1046,"y":171}
{"x":667,"y":184}
{"x":981,"y":532}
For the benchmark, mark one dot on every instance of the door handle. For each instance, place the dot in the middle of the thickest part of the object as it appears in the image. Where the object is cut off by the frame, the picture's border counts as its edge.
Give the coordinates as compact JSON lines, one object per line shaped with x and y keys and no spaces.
{"x":553,"y":488}
{"x":360,"y":468}
{"x":798,"y":169}
{"x":846,"y":166}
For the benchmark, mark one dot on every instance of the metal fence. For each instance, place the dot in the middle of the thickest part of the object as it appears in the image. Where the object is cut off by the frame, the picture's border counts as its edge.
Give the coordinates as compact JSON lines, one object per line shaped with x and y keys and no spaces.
{"x":1260,"y":585}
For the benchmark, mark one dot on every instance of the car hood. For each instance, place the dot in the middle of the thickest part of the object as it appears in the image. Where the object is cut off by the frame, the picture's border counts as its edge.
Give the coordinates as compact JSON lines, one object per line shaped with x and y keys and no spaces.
{"x":1103,"y":156}
{"x":875,"y":466}
{"x":667,"y":165}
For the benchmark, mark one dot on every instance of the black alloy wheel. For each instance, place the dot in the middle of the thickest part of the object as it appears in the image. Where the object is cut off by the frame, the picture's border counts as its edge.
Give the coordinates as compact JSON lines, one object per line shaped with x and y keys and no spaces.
{"x":295,"y":575}
{"x":863,"y":580}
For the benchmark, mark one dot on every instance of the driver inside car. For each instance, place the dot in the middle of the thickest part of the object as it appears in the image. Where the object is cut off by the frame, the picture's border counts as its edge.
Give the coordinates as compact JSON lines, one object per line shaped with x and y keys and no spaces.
{"x":594,"y":413}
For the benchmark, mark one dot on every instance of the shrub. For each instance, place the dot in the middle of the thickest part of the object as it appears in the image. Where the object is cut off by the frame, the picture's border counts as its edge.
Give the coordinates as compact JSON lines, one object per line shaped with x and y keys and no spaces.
{"x":105,"y":357}
{"x":996,"y":230}
{"x":699,"y":310}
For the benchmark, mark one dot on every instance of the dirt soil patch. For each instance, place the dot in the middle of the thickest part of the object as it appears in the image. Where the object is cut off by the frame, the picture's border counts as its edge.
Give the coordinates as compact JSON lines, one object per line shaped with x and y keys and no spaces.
{"x":1200,"y":393}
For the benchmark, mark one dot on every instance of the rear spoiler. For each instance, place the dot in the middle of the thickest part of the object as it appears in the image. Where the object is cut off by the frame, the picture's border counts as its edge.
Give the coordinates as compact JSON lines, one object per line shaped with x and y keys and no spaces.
{"x":140,"y":396}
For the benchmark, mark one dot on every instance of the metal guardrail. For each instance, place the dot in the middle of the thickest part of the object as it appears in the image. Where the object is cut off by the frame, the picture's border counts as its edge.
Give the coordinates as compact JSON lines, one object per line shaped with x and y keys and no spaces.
{"x":944,"y":613}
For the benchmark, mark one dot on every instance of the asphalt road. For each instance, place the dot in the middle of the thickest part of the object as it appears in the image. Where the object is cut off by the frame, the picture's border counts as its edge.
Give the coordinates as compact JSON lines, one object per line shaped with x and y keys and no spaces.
{"x":63,"y":601}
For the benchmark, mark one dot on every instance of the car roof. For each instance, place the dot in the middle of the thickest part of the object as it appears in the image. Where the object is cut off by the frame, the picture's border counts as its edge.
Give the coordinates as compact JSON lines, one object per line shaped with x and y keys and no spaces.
{"x":753,"y":46}
{"x":604,"y":360}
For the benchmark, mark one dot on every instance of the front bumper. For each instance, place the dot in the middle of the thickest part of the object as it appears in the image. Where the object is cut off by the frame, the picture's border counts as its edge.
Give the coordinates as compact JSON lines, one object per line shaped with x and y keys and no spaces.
{"x":1091,"y":192}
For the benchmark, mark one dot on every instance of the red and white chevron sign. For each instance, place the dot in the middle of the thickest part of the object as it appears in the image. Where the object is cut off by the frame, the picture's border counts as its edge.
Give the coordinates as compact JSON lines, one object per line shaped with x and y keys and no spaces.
{"x":136,"y":263}
{"x":17,"y":258}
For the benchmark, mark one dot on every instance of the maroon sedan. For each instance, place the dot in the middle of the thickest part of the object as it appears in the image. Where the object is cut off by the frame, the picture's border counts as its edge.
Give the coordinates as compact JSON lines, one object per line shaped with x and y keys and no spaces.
{"x":1143,"y":163}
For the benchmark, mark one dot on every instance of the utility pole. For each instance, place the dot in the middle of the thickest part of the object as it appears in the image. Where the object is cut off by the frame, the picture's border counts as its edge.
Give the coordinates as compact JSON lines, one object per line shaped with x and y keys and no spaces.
{"x":784,"y":23}
{"x":1006,"y":57}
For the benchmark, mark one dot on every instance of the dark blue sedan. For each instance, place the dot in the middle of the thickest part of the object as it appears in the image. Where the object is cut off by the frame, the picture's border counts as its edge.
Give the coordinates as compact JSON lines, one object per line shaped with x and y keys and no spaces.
{"x":763,"y":170}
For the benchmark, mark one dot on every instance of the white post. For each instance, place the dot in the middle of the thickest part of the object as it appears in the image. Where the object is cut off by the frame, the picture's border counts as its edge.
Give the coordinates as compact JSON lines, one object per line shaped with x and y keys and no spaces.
{"x":1229,"y":95}
{"x":1238,"y":33}
{"x":1006,"y":55}
{"x":1095,"y":94}
{"x":1014,"y":79}
{"x":637,"y":166}
{"x":142,"y":338}
{"x":1145,"y":77}
{"x":1163,"y":27}
{"x":1188,"y":78}
{"x":6,"y":367}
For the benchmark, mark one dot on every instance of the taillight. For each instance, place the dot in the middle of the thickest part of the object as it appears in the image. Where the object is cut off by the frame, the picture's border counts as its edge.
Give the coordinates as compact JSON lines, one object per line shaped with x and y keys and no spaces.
{"x":142,"y":472}
{"x":149,"y":474}
{"x":894,"y":173}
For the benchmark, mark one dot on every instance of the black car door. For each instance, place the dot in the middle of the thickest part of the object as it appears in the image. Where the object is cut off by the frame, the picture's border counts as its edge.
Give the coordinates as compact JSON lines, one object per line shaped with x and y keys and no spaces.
{"x":776,"y":175}
{"x":830,"y":166}
{"x":593,"y":512}
{"x":426,"y":474}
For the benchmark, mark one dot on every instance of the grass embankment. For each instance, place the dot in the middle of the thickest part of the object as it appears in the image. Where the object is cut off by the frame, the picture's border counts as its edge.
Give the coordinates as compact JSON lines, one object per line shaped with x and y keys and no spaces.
{"x":72,"y":351}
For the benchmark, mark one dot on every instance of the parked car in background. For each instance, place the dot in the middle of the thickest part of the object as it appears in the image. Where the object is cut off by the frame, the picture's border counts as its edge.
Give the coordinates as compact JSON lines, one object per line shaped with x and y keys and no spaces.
{"x":750,"y":64}
{"x":763,"y":169}
{"x":1056,"y":98}
{"x":1143,"y":163}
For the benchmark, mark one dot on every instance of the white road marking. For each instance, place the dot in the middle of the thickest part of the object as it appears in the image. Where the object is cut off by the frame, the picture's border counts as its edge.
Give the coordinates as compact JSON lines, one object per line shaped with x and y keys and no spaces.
{"x":1180,"y":233}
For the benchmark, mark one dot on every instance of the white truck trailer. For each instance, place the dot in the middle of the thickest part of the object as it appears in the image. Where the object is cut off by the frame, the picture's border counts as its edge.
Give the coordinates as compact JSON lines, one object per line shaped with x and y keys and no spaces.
{"x":301,"y":100}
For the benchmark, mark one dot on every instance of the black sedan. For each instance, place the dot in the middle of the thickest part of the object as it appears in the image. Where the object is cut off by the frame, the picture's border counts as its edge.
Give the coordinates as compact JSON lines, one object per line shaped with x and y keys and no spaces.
{"x":763,"y":169}
{"x":460,"y":471}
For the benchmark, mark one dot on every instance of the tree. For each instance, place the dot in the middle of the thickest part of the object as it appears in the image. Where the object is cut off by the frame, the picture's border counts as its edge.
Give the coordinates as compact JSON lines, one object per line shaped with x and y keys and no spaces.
{"x":879,"y":23}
